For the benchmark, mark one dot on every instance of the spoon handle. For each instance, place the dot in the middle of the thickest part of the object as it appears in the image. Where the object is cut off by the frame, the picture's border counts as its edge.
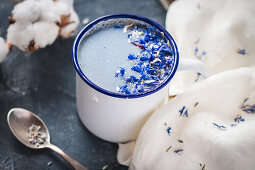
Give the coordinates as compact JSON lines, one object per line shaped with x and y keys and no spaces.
{"x":69,"y":159}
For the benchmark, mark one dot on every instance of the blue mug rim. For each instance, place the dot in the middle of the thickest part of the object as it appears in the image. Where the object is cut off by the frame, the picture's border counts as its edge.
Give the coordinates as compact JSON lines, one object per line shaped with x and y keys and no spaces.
{"x":131,"y":16}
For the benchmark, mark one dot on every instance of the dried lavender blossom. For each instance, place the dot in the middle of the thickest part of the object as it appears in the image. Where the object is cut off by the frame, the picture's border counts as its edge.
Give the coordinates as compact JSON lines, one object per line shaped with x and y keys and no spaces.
{"x":184,"y":112}
{"x":241,"y":51}
{"x":169,"y":131}
{"x":154,"y":62}
{"x":178,"y":151}
{"x":219,"y":126}
{"x":36,"y":137}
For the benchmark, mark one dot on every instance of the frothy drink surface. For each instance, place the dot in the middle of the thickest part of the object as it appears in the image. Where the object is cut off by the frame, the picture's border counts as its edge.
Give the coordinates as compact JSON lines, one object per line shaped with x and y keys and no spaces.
{"x":102,"y":53}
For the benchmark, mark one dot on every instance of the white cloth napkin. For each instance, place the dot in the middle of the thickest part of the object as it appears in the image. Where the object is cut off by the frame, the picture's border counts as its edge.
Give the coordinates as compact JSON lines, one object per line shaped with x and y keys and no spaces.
{"x":211,"y":123}
{"x":220,"y":33}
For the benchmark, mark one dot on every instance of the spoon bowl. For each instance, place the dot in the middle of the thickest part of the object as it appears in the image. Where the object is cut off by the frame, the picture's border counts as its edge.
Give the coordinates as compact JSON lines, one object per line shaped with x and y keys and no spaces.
{"x":20,"y":120}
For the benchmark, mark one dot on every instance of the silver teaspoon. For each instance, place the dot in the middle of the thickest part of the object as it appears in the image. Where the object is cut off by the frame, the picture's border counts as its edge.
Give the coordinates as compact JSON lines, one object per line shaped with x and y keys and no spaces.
{"x":22,"y":121}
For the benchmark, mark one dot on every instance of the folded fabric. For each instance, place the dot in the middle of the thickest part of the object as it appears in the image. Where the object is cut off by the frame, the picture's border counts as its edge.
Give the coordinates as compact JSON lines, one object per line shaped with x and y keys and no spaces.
{"x":218,"y":33}
{"x":211,"y":125}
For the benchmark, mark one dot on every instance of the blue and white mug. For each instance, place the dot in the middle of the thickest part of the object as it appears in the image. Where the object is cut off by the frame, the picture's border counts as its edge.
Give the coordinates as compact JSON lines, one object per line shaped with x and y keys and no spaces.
{"x":119,"y":117}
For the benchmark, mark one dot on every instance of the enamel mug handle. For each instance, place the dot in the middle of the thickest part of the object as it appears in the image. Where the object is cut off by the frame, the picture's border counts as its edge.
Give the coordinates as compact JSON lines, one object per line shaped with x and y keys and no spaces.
{"x":192,"y":65}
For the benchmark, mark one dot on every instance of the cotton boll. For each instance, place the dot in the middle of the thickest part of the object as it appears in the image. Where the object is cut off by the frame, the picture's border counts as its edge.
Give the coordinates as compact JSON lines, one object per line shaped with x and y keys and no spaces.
{"x":44,"y":33}
{"x":49,"y":11}
{"x":4,"y":49}
{"x":52,"y":11}
{"x":50,"y":16}
{"x":20,"y":34}
{"x":61,"y":8}
{"x":28,"y":11}
{"x":37,"y":23}
{"x":67,"y":30}
{"x":68,"y":2}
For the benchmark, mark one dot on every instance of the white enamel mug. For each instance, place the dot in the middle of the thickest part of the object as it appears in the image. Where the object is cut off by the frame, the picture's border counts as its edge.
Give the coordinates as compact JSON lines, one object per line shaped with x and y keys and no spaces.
{"x":119,"y":117}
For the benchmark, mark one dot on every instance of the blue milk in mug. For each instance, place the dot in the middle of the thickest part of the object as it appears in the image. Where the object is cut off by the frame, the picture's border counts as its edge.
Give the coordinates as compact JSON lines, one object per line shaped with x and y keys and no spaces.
{"x":127,"y":59}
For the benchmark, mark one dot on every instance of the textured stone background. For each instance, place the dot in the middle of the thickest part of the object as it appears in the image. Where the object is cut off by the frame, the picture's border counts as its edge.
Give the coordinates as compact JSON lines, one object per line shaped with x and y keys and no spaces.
{"x":44,"y":82}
